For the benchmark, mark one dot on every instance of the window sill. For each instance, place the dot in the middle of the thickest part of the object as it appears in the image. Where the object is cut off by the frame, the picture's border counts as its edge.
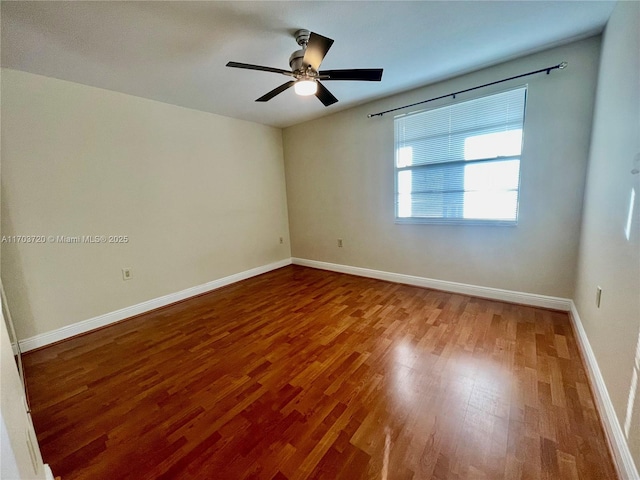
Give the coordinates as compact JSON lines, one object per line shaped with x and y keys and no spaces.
{"x":456,"y":222}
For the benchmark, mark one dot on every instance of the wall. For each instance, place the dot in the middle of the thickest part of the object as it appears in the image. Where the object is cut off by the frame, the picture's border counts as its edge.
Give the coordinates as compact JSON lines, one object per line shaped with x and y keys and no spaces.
{"x":610,"y":241}
{"x":199,"y":196}
{"x":15,"y":424}
{"x":339,"y":172}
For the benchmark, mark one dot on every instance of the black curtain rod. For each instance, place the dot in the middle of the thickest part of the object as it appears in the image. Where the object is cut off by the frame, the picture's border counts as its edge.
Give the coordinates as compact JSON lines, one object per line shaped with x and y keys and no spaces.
{"x":560,"y":66}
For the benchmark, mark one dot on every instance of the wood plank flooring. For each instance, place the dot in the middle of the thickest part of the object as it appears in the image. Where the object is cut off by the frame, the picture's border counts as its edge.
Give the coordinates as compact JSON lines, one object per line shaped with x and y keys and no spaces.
{"x":307,"y":374}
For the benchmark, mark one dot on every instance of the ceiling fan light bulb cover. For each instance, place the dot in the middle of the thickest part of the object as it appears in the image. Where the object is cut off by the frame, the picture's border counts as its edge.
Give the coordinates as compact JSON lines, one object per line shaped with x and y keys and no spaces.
{"x":305,"y":88}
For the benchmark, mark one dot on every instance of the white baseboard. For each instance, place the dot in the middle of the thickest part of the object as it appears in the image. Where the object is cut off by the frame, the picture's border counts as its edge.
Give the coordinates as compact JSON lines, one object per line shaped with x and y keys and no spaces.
{"x":84,"y":326}
{"x":554,"y":303}
{"x":619,"y":447}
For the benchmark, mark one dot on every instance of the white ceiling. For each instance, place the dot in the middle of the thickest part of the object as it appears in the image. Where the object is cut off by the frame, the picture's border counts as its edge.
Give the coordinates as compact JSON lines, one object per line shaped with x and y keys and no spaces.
{"x":176,"y":51}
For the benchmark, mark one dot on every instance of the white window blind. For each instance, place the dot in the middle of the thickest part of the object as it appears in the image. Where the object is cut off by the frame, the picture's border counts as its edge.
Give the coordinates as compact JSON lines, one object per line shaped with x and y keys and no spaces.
{"x":461,"y":163}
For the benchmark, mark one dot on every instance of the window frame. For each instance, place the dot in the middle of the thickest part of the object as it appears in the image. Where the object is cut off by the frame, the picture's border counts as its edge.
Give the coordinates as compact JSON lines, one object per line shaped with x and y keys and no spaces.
{"x":459,"y":220}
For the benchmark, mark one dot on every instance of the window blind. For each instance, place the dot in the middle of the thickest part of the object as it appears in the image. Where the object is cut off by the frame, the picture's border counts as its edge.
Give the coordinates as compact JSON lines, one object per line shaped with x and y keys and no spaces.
{"x":461,"y":163}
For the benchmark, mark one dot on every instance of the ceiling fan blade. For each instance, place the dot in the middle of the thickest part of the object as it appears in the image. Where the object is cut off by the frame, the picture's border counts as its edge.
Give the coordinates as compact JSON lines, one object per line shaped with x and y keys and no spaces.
{"x":248,"y":66}
{"x":276,"y":91}
{"x":325,"y":96}
{"x":317,"y":48}
{"x":362,"y":74}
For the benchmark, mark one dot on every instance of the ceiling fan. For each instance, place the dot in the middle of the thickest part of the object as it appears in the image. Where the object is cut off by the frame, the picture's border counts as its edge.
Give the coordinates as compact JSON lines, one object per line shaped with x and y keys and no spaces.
{"x":305,"y":75}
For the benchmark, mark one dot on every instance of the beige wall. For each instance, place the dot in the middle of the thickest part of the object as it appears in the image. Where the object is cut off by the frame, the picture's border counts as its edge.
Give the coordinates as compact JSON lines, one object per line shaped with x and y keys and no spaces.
{"x":200,"y":197}
{"x":340,"y":185}
{"x":607,"y":257}
{"x":16,"y":428}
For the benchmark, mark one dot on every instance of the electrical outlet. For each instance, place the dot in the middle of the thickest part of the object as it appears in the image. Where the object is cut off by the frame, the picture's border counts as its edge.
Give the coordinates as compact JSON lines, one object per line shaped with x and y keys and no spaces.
{"x":598,"y":296}
{"x":126,"y":274}
{"x":340,"y":242}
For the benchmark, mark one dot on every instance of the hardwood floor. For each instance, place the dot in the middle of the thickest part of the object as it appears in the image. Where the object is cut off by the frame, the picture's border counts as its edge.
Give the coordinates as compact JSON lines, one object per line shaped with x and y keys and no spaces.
{"x":301,"y":373}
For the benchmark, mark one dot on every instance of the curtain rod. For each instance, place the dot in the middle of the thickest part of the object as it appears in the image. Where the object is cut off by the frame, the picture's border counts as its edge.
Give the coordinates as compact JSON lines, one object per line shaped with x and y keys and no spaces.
{"x":561,"y":66}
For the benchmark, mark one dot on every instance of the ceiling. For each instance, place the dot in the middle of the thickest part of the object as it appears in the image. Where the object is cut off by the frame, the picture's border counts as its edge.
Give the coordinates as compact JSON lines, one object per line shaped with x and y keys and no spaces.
{"x":176,"y":51}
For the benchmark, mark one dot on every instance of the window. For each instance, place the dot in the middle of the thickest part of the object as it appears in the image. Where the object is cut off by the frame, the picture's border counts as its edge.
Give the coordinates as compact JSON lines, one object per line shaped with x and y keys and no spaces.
{"x":461,"y":163}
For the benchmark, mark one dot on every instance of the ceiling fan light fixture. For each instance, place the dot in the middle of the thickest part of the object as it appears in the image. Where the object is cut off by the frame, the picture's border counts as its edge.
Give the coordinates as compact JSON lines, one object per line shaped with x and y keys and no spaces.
{"x":305,"y":88}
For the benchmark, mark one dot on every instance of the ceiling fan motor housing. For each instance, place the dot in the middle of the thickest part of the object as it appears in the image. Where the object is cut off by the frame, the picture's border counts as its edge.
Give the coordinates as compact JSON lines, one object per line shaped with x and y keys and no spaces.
{"x":295,"y":60}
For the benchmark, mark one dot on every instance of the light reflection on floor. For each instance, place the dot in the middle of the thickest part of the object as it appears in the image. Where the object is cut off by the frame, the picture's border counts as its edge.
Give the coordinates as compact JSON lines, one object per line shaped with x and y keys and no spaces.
{"x":474,"y":390}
